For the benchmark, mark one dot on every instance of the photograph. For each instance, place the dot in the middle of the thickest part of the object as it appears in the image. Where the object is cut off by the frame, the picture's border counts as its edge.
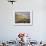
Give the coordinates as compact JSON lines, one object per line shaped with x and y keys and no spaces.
{"x":23,"y":18}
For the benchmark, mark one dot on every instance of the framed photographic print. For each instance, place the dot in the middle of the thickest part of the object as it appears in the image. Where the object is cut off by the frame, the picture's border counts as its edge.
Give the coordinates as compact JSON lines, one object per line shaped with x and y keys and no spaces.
{"x":23,"y":18}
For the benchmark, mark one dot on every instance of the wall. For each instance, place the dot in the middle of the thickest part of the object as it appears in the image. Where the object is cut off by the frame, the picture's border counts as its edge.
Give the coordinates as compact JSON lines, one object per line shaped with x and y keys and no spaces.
{"x":9,"y":31}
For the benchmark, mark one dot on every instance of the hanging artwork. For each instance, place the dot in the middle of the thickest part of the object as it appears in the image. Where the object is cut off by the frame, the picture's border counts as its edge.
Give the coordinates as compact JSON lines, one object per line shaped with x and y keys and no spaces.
{"x":23,"y":18}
